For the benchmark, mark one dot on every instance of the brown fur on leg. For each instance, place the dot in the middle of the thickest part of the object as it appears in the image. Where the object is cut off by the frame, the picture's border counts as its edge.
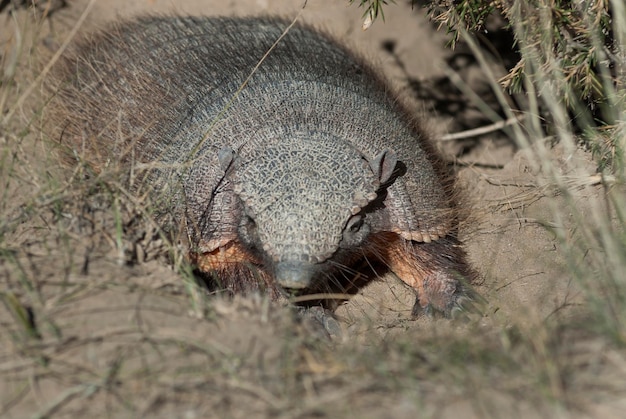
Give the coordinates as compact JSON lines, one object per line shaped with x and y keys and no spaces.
{"x":233,"y":268}
{"x":437,"y":271}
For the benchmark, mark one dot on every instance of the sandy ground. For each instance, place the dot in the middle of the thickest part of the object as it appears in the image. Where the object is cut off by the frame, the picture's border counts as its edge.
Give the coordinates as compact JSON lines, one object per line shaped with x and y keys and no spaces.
{"x":510,"y":239}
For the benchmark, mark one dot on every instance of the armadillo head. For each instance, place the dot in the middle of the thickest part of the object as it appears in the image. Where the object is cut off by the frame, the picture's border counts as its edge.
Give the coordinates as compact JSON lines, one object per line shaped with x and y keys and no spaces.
{"x":303,"y":201}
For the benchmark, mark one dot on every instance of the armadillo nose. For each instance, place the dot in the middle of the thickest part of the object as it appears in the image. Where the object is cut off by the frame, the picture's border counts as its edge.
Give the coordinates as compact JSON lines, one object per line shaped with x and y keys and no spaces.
{"x":294,"y":275}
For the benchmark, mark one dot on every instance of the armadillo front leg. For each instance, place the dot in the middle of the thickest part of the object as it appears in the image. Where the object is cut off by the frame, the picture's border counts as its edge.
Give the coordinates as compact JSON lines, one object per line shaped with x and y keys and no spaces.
{"x":436,"y":270}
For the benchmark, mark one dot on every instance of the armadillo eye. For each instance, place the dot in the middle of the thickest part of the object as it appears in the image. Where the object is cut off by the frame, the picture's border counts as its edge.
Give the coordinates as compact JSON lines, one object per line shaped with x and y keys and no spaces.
{"x":355,"y":232}
{"x":354,"y":224}
{"x":250,"y":223}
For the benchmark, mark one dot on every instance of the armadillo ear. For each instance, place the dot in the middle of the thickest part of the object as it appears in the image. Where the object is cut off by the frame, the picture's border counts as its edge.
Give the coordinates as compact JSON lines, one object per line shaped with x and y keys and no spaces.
{"x":384,"y":164}
{"x":226,"y":157}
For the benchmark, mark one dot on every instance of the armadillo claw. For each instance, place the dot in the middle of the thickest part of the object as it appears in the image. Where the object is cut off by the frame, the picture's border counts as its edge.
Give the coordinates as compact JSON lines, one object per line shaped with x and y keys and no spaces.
{"x":322,"y":321}
{"x":461,"y":305}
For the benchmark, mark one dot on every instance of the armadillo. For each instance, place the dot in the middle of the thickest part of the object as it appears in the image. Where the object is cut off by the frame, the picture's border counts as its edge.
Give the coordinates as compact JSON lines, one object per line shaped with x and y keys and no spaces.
{"x":288,"y":160}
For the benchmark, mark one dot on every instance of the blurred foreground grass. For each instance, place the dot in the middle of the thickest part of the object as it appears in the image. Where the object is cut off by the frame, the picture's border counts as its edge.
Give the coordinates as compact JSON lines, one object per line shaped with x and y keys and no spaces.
{"x":91,"y":323}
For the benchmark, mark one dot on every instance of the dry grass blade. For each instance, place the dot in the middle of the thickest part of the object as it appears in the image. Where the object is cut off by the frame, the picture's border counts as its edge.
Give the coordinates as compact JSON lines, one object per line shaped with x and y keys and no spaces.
{"x":101,"y":315}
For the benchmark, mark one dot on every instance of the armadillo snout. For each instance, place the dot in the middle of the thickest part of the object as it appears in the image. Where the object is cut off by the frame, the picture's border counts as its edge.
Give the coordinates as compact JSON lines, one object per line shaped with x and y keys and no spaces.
{"x":295,"y":275}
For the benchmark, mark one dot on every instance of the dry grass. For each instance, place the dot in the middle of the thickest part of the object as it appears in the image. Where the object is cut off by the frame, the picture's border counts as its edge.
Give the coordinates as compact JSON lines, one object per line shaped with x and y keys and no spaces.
{"x":101,"y":317}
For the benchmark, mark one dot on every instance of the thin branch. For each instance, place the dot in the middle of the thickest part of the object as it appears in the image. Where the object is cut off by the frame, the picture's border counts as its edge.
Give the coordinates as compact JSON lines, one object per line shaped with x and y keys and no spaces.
{"x":482,"y":130}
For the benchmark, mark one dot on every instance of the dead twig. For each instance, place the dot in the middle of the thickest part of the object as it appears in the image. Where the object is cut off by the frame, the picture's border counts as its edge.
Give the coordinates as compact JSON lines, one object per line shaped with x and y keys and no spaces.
{"x":496,"y":126}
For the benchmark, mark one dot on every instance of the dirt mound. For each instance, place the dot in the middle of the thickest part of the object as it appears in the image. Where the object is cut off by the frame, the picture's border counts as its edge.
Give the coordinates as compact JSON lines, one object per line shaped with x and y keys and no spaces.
{"x":102,"y":318}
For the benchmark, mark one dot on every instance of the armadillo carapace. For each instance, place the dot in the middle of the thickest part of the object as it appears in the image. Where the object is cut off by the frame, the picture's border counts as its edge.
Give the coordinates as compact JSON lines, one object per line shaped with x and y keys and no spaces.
{"x":291,"y":170}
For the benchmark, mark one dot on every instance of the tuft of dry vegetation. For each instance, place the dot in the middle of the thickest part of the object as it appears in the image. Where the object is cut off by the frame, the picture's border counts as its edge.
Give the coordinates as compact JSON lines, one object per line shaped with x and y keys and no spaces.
{"x":579,"y":45}
{"x":101,"y":316}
